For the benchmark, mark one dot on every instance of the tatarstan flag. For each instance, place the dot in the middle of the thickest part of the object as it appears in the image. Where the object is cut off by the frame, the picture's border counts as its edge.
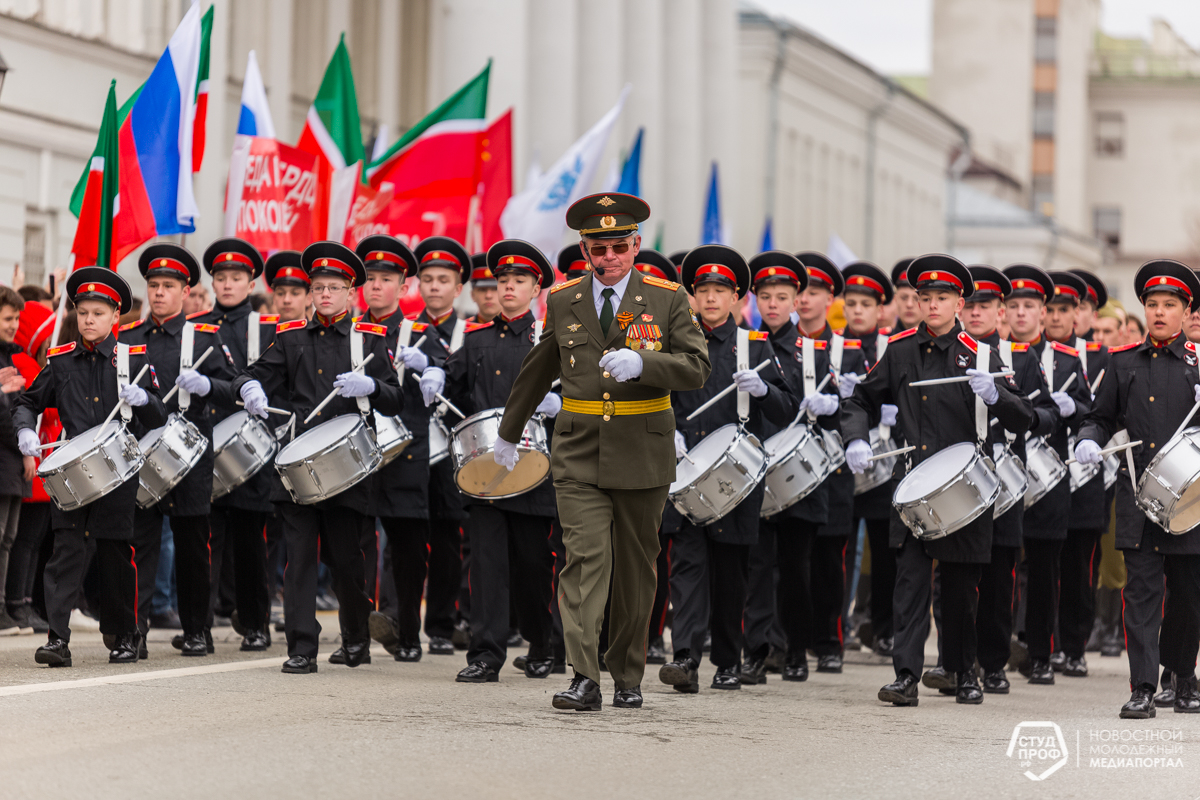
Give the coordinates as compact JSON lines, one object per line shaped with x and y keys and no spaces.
{"x":198,"y":126}
{"x":95,"y":195}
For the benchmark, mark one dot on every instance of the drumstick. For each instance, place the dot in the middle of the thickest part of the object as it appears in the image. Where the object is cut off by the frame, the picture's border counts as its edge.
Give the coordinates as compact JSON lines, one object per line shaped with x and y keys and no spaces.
{"x":56,"y":443}
{"x":1096,"y":383}
{"x":439,"y":396}
{"x":891,"y":453}
{"x":269,"y":409}
{"x":1067,"y":383}
{"x":398,"y":365}
{"x":1186,"y":420}
{"x":1029,"y":396}
{"x":117,"y":407}
{"x":329,"y":397}
{"x":199,"y":361}
{"x":1108,"y":451}
{"x":722,"y":393}
{"x":960,"y":378}
{"x":800,"y":414}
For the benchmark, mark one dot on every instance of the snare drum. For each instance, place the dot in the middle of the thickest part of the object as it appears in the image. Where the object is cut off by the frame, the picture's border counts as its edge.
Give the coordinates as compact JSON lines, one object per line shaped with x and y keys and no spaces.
{"x":947,"y":491}
{"x":1080,"y":474}
{"x":878,"y":472}
{"x":392,"y":436}
{"x":1169,"y":489}
{"x":473,"y":444}
{"x":439,"y":440}
{"x":91,"y":465}
{"x":1044,"y":468}
{"x":328,"y":459}
{"x":725,"y":467}
{"x":1013,"y":478}
{"x":171,"y":452}
{"x":242,"y":445}
{"x":799,"y":461}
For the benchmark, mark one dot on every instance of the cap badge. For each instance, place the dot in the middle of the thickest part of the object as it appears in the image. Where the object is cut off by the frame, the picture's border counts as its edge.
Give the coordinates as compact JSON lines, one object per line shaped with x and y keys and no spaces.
{"x":379,"y":256}
{"x":771,"y":271}
{"x":715,"y":269}
{"x":859,"y":281}
{"x":1162,"y":280}
{"x":608,"y":222}
{"x":91,"y":287}
{"x":162,"y":262}
{"x":606,"y":201}
{"x":933,"y":276}
{"x":229,"y":256}
{"x":510,"y":260}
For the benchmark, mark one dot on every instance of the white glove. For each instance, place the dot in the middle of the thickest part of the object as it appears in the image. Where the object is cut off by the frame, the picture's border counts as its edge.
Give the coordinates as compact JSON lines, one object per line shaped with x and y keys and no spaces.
{"x":254,"y":398}
{"x":680,"y":445}
{"x":846,"y":384}
{"x":354,"y":384}
{"x":748,"y":380}
{"x":624,"y":365}
{"x":984,"y":385}
{"x":550,"y":406}
{"x":192,"y":381}
{"x":888,"y":414}
{"x":857,"y":455}
{"x":1088,"y":452}
{"x":27,"y":442}
{"x":1198,"y":393}
{"x":1066,"y":406}
{"x":820,"y":404}
{"x":134,"y":395}
{"x":505,"y":454}
{"x":414,"y":359}
{"x":433,"y":380}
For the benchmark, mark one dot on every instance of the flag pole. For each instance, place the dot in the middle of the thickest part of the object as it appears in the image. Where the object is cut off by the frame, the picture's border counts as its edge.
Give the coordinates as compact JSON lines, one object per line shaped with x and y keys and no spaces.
{"x":58,"y":323}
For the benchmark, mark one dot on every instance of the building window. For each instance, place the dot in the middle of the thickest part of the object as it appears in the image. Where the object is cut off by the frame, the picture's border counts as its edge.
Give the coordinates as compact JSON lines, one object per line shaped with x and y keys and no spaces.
{"x":1110,"y":134}
{"x":1043,"y":115}
{"x":1042,"y":195}
{"x":34,"y":261}
{"x":1107,"y":224}
{"x":1045,"y":40}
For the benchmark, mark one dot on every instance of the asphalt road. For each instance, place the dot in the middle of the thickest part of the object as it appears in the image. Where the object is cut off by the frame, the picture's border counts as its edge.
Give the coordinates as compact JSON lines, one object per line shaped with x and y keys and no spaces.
{"x":232,"y":726}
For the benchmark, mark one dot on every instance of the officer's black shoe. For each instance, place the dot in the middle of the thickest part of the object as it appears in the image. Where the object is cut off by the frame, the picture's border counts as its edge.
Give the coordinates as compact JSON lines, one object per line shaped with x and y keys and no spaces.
{"x":519,"y":662}
{"x":407,"y":651}
{"x":255,"y":641}
{"x":461,"y":636}
{"x":1041,"y":672}
{"x":54,"y":653}
{"x":968,"y":691}
{"x":299,"y":665}
{"x":1075,"y":668}
{"x":386,"y":631}
{"x":177,"y":641}
{"x":883,"y":646}
{"x":125,"y":649}
{"x":727,"y":678}
{"x":582,"y":695}
{"x":1058,"y":660}
{"x":795,"y":670}
{"x":829,"y":663}
{"x":628,"y":698}
{"x":338,"y":656}
{"x":1166,"y":698}
{"x":996,"y":682}
{"x":194,"y":645}
{"x":683,"y":673}
{"x":357,"y":652}
{"x":1141,"y":703}
{"x":477,"y":672}
{"x":775,"y":659}
{"x":938,"y":678}
{"x":440,"y":647}
{"x":1187,"y":699}
{"x":656,"y":653}
{"x":902,"y":691}
{"x":754,"y":671}
{"x":537,"y":666}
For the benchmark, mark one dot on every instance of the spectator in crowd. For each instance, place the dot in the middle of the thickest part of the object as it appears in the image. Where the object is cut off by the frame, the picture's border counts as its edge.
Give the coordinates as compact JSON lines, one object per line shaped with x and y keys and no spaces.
{"x":260,"y":303}
{"x":1135,"y":329}
{"x":134,"y":313}
{"x":1109,"y":329}
{"x":16,"y":470}
{"x":199,"y":300}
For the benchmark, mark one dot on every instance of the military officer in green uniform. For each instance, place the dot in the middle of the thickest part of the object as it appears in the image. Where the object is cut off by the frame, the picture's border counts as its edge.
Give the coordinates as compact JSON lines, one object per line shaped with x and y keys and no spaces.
{"x":621,"y":342}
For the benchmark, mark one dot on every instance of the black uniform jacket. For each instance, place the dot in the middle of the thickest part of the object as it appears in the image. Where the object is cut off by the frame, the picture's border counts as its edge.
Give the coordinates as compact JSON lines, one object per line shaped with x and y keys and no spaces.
{"x":445,"y":500}
{"x":1090,"y":503}
{"x":933,"y":418}
{"x":255,"y":494}
{"x":779,"y":405}
{"x":163,"y":340}
{"x":840,"y":484}
{"x":480,"y":376}
{"x":81,"y":382}
{"x":300,"y":368}
{"x":877,"y":503}
{"x":1148,"y":390}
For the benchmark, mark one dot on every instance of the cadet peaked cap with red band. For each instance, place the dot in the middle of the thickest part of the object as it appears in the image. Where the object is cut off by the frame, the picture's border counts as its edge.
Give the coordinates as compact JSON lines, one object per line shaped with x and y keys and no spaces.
{"x":481,"y":276}
{"x":99,"y":283}
{"x":515,"y":255}
{"x":866,"y":278}
{"x":1029,"y":281}
{"x":1165,"y":275}
{"x":822,"y":272}
{"x":169,"y":260}
{"x":776,"y":266}
{"x":571,"y":262}
{"x":715,"y":263}
{"x":333,"y":258}
{"x":1097,"y":292}
{"x":233,"y":253}
{"x":284,"y":268}
{"x":444,"y":252}
{"x":940,"y":271}
{"x":900,"y":273}
{"x":652,"y":262}
{"x":386,"y":254}
{"x":1068,"y":288}
{"x":990,"y":283}
{"x":609,"y":215}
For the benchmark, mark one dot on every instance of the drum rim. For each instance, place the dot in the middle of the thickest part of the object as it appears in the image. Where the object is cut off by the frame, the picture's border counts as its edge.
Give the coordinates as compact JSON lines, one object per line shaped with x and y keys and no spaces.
{"x":740,"y":433}
{"x":329,"y":447}
{"x":79,"y":458}
{"x":944,"y":486}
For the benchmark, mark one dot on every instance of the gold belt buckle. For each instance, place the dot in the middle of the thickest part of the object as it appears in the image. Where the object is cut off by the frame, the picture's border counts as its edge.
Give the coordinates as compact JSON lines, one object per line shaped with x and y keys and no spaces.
{"x":609,"y":408}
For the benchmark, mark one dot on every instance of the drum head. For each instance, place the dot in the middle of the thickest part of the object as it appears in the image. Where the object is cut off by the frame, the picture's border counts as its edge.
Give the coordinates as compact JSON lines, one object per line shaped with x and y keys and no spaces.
{"x":935,"y":472}
{"x":781,"y":444}
{"x":80,"y":445}
{"x":151,"y":439}
{"x":317,"y":439}
{"x":703,"y":456}
{"x":227,"y":428}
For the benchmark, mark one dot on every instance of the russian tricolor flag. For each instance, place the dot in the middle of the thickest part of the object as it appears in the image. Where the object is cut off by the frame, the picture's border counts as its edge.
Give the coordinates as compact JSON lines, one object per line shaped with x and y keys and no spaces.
{"x":255,"y":116}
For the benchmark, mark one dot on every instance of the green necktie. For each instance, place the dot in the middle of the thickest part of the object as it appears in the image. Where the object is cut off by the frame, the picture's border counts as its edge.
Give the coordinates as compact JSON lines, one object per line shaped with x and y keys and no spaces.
{"x":606,"y":313}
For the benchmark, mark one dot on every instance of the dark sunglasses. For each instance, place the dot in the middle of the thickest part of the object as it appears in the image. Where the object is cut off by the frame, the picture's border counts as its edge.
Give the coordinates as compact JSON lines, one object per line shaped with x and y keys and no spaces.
{"x":598,"y":250}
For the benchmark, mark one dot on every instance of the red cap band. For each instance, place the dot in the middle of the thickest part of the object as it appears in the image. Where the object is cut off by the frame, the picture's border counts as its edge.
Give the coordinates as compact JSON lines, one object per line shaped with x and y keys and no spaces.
{"x":940,"y":275}
{"x":482,"y":274}
{"x":776,"y":272}
{"x":333,"y":265}
{"x":172,"y":264}
{"x":99,"y":288}
{"x":862,"y":281}
{"x":1022,"y":283}
{"x":231,"y":260}
{"x":384,"y":255}
{"x":650,"y":269}
{"x":1095,"y":298}
{"x":579,"y":266}
{"x":716,"y":269}
{"x":988,"y":286}
{"x":820,"y":274}
{"x":521,"y":263}
{"x":292,"y":272}
{"x":1067,"y":290}
{"x":440,"y":255}
{"x":1165,"y":282}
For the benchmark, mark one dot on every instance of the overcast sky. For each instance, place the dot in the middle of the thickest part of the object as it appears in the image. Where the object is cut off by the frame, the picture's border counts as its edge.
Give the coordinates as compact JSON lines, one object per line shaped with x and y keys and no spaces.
{"x":893,"y":35}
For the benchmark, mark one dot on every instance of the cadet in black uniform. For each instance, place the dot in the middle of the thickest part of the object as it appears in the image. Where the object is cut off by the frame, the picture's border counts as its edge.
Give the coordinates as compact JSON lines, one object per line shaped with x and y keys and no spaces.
{"x":908,"y":307}
{"x":483,"y":290}
{"x":718,"y":277}
{"x":510,"y":538}
{"x":1151,"y":388}
{"x":307,"y":360}
{"x":572,"y":264}
{"x":81,"y":380}
{"x":933,"y":418}
{"x":238,"y":519}
{"x":170,"y":272}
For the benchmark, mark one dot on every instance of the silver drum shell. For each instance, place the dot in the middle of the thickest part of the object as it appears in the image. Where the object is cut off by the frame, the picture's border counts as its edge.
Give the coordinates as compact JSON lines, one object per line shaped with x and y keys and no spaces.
{"x":392,"y":435}
{"x":171,"y":452}
{"x":729,"y":464}
{"x":75,"y":479}
{"x":878,"y":472}
{"x":473,"y":446}
{"x":799,"y":462}
{"x":949,"y":490}
{"x":1169,"y":488}
{"x":312,"y":472}
{"x":1044,"y":467}
{"x":1013,"y":479}
{"x":242,"y":445}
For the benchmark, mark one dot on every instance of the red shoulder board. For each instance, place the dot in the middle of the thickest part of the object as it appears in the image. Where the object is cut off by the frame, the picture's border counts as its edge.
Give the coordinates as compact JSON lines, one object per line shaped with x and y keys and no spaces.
{"x":478,"y":326}
{"x":268,"y":319}
{"x":1020,"y":347}
{"x":970,"y":343}
{"x":62,"y":348}
{"x":840,"y":332}
{"x":561,"y":286}
{"x":1189,"y":346}
{"x":370,"y":327}
{"x":204,"y":327}
{"x":1120,"y":348}
{"x":1065,"y":349}
{"x":130,"y":326}
{"x":195,"y":314}
{"x":885,"y":331}
{"x":818,"y":344}
{"x":291,"y":325}
{"x":758,"y":336}
{"x":418,"y":327}
{"x":138,"y":350}
{"x":1093,"y":347}
{"x":895,"y":337}
{"x":853,"y":344}
{"x":659,"y":282}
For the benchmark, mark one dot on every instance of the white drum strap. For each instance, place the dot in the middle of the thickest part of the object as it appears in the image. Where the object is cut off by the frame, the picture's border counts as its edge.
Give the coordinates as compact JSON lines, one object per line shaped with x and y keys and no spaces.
{"x":982,"y":359}
{"x":1048,"y":365}
{"x":1122,"y":437}
{"x":742,"y":353}
{"x":881,"y":343}
{"x":1005,"y":353}
{"x":456,"y":337}
{"x":123,"y":378}
{"x":253,"y":343}
{"x":1081,"y":346}
{"x":356,"y":359}
{"x":836,"y":349}
{"x":808,"y":355}
{"x":187,"y":341}
{"x":405,"y":338}
{"x":537,"y":331}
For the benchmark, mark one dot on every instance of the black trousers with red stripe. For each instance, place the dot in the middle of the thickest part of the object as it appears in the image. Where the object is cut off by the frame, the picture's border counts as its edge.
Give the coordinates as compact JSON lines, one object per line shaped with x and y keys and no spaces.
{"x":64,"y":579}
{"x":994,"y":621}
{"x":1077,"y":589}
{"x":828,"y":582}
{"x":245,"y":532}
{"x":192,"y":567}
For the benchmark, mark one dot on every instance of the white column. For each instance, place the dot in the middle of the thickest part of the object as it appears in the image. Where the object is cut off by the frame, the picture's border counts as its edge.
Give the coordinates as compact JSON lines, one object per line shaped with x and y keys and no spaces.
{"x":337,"y":22}
{"x":278,"y":67}
{"x":718,"y":127}
{"x":646,"y":70}
{"x":557,"y":108}
{"x":210,"y":182}
{"x":686,"y":165}
{"x":387,"y":102}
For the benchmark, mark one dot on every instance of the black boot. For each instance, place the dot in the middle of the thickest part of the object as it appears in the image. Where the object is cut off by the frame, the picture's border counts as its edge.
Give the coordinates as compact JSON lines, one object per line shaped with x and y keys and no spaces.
{"x":902,"y":691}
{"x":1187,"y":699}
{"x":968,"y":691}
{"x":683,"y":673}
{"x":1141,"y":703}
